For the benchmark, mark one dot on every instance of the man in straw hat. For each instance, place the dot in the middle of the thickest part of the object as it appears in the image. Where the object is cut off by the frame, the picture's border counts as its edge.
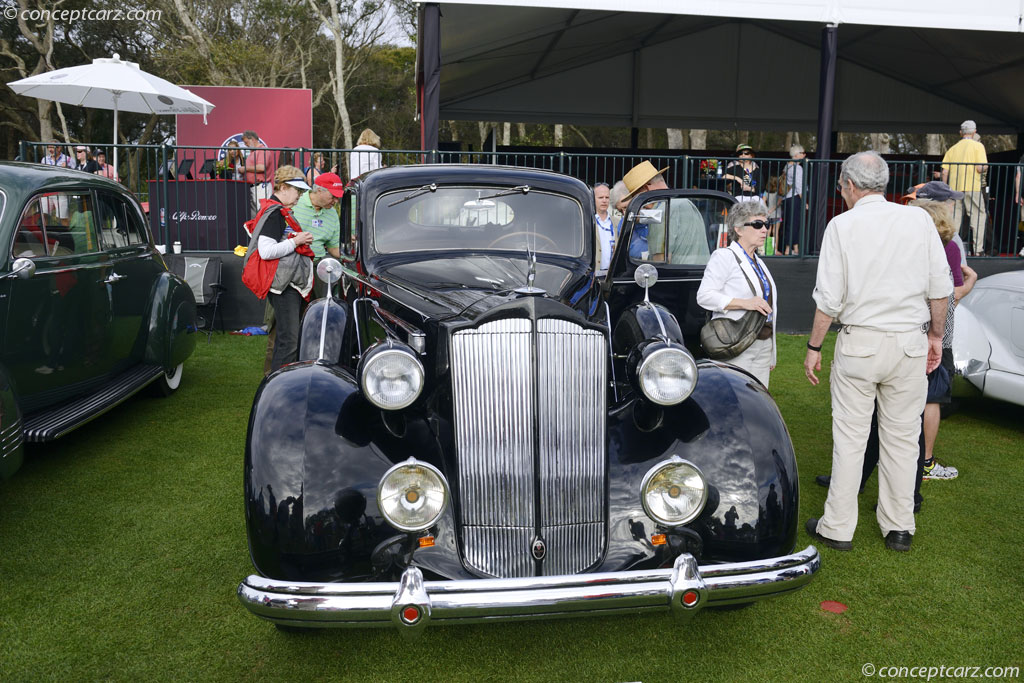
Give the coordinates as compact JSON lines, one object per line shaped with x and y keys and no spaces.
{"x":686,"y":229}
{"x":644,"y":177}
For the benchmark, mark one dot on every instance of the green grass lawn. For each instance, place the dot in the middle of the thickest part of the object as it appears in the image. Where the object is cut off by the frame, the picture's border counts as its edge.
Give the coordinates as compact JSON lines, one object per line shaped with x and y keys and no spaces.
{"x":123,"y":543}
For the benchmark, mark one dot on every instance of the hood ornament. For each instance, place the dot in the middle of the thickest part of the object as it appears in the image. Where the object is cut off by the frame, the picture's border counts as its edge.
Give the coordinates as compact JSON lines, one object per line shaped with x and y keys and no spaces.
{"x":531,"y":275}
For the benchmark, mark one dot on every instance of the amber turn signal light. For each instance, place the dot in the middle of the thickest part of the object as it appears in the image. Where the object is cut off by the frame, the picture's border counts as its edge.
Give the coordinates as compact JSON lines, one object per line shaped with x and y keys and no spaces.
{"x":658,"y":539}
{"x":426,"y":541}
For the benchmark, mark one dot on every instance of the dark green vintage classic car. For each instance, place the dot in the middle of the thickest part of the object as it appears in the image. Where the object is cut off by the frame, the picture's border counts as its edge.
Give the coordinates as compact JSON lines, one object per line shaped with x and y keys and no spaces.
{"x":88,"y":311}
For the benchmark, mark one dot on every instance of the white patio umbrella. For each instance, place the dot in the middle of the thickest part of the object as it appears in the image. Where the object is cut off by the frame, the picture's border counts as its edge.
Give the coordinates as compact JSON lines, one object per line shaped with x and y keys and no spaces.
{"x":112,"y":84}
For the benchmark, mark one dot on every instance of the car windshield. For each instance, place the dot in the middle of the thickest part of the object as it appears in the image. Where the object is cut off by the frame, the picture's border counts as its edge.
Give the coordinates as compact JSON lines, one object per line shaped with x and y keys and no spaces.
{"x":474,"y":218}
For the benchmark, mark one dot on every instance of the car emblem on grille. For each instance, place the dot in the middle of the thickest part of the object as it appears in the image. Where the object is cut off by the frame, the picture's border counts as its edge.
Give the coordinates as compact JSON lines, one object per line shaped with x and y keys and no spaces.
{"x":539,"y":549}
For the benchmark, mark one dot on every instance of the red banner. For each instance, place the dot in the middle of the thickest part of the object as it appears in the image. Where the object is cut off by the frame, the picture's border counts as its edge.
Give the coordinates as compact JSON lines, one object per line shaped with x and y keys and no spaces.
{"x":282,"y":117}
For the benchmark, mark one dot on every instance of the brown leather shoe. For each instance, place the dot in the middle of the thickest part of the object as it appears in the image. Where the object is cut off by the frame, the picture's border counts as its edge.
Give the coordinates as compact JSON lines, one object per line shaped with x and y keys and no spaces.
{"x":812,"y":531}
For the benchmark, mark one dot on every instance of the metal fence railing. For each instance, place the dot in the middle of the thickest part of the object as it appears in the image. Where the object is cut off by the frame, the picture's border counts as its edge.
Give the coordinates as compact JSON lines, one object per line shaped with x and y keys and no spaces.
{"x":197,"y":196}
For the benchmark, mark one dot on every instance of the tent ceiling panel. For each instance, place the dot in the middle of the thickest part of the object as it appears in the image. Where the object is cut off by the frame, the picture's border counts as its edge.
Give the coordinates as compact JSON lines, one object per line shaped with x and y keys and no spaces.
{"x":556,"y":65}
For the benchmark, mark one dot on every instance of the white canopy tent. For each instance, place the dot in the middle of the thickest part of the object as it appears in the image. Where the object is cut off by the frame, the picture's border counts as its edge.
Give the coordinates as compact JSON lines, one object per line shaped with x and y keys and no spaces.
{"x":746,"y":64}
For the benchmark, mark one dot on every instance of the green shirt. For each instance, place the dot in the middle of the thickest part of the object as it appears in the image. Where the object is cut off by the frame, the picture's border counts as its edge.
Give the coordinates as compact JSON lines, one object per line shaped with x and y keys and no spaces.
{"x":323,"y":223}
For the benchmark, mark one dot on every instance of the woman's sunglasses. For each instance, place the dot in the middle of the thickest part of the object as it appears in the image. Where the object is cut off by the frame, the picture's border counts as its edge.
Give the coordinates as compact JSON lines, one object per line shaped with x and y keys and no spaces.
{"x":757,"y":225}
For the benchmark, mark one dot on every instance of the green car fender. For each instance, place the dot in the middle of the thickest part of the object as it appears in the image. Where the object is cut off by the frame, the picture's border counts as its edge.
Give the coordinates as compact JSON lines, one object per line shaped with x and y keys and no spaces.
{"x":171,"y":322}
{"x":12,"y":445}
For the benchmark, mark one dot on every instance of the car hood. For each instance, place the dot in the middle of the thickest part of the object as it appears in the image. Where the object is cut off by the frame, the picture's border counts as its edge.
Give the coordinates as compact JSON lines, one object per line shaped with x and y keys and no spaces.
{"x":472,"y":284}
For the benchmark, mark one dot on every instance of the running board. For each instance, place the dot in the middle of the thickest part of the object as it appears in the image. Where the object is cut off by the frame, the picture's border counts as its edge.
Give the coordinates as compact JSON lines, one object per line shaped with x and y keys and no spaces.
{"x":54,"y":423}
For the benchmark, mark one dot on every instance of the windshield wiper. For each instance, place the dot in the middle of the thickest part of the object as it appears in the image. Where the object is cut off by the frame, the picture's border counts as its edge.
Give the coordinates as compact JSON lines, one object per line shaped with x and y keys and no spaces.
{"x":518,"y":188}
{"x":432,"y":187}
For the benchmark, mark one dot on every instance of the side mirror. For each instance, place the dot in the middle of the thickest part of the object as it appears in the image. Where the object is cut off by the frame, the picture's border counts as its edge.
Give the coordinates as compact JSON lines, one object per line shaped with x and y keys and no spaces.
{"x":24,"y":268}
{"x":645,"y":276}
{"x":329,"y":271}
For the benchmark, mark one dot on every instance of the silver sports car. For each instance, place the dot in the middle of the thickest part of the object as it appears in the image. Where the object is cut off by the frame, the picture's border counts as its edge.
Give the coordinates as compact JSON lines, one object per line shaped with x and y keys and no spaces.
{"x":988,"y":340}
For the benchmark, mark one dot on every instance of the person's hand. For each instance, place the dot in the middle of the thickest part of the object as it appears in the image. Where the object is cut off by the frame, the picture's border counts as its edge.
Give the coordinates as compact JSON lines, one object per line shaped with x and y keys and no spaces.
{"x":812,"y":363}
{"x":756,"y":304}
{"x":934,"y":353}
{"x":303,"y":238}
{"x":334,"y":169}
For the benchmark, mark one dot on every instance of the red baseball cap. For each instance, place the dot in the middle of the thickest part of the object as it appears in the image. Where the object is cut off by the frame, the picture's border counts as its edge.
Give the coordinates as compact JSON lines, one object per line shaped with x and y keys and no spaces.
{"x":331,"y":182}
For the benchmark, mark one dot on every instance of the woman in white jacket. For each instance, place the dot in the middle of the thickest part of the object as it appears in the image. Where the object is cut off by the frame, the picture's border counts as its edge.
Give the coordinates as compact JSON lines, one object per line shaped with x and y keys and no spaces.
{"x":736,"y":280}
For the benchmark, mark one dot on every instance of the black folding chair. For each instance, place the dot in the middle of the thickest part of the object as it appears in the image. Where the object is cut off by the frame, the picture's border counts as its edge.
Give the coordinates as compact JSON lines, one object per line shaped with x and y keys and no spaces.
{"x":202,"y":274}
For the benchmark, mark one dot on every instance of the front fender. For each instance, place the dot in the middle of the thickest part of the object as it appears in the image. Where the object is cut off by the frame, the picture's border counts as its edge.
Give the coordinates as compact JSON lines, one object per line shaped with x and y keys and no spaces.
{"x":12,"y":442}
{"x":732,"y":430}
{"x":640,"y":322}
{"x":315,"y":452}
{"x":338,"y":334}
{"x":171,"y":322}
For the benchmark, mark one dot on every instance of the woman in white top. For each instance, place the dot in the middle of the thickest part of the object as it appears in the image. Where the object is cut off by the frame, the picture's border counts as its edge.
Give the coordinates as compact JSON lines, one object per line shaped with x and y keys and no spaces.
{"x":605,"y":228}
{"x":365,"y":156}
{"x":725,"y":289}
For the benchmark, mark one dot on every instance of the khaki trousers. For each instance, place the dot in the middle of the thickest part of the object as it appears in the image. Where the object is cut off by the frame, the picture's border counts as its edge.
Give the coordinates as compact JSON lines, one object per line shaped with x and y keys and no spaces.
{"x":973,"y":204}
{"x":889,"y":366}
{"x":757,"y":360}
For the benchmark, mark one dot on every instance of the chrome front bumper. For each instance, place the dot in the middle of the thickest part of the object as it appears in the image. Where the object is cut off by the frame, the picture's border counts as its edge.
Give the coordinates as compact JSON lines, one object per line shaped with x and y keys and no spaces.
{"x":412,"y":603}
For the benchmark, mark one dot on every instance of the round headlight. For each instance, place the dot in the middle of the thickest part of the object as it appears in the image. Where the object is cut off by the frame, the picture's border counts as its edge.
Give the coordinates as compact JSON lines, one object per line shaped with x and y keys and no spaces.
{"x":674,"y":492}
{"x":412,"y":495}
{"x":668,"y":375}
{"x":392,"y":378}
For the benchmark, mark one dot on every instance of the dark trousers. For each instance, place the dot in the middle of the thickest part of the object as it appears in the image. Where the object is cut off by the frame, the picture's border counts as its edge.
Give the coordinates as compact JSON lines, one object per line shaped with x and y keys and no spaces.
{"x":288,"y":308}
{"x":871,"y":457}
{"x":791,"y":215}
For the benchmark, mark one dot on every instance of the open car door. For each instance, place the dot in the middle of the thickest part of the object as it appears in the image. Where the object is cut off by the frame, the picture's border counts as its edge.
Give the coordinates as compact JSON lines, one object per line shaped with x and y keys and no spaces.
{"x":675,"y":231}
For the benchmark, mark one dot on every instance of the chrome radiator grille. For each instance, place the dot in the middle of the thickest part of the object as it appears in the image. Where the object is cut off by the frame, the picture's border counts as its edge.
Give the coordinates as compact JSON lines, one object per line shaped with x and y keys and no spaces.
{"x":503,"y":396}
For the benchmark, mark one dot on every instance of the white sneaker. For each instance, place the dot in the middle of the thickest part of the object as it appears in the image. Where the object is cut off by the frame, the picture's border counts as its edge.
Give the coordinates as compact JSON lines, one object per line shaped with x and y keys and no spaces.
{"x":939,"y":471}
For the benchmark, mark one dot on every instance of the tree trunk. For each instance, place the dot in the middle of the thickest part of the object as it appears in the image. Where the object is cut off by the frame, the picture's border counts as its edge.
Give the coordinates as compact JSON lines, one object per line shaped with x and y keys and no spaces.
{"x":676,"y":138}
{"x":649,"y":137}
{"x":506,"y":134}
{"x":558,"y":135}
{"x":45,"y":123}
{"x":933,"y":144}
{"x":698,"y":139}
{"x":521,"y":129}
{"x":880,"y":142}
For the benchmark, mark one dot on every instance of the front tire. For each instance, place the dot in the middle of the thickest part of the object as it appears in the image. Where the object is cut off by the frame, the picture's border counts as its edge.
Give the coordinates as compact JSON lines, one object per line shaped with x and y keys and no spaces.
{"x":167,"y":383}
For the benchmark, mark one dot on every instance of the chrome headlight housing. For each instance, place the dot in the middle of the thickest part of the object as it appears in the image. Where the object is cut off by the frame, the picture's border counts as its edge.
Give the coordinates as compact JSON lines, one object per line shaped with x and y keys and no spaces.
{"x":391,"y":376}
{"x":412,"y":495}
{"x":666,"y":374}
{"x":674,"y":492}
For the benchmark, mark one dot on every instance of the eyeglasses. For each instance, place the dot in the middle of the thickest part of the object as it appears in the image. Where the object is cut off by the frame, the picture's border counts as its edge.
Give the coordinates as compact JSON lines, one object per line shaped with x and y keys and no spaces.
{"x":746,"y":153}
{"x":757,"y":225}
{"x":839,"y":186}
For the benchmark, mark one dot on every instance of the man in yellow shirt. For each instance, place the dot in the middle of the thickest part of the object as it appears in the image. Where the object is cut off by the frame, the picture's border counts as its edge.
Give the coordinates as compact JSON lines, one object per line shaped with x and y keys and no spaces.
{"x":961,"y":170}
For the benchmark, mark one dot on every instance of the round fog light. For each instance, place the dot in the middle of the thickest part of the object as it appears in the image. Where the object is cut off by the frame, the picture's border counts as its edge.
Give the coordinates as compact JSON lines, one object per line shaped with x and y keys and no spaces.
{"x":412,"y":495}
{"x":674,"y":492}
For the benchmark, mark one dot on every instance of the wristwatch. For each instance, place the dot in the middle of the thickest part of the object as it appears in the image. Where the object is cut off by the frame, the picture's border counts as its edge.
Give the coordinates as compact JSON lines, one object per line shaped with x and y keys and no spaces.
{"x":812,"y":347}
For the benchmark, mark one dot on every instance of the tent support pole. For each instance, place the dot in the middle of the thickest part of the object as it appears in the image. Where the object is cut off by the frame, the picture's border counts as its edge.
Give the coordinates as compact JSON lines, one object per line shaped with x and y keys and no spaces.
{"x":826,"y":107}
{"x":430,"y":78}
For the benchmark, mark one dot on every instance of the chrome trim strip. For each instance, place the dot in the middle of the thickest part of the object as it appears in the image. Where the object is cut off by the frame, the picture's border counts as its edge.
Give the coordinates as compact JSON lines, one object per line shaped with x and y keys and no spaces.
{"x":52,"y":424}
{"x":318,"y":605}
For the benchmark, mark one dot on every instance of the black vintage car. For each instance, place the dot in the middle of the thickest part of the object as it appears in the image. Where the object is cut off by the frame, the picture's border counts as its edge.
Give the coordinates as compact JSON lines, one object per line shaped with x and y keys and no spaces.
{"x":485,"y":428}
{"x":89,"y":312}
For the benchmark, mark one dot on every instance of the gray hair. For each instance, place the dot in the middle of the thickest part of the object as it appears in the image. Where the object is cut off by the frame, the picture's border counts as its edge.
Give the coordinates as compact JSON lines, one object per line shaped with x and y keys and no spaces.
{"x":317,"y":189}
{"x":742,"y":213}
{"x":796,"y":149}
{"x":968,"y":126}
{"x":618,"y":191}
{"x":866,"y":170}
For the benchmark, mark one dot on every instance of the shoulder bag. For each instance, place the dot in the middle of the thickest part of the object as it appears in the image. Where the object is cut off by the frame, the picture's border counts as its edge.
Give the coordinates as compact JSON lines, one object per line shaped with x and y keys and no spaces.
{"x":725,"y":338}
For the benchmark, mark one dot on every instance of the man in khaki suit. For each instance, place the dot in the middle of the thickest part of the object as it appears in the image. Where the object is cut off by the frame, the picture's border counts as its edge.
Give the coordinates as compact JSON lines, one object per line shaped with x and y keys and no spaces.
{"x":883,"y":275}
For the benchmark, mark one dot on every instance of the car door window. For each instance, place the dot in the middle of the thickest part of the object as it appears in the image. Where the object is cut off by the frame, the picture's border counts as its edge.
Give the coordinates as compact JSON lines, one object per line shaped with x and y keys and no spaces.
{"x":677,"y":231}
{"x":119,"y":223}
{"x":56,"y":224}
